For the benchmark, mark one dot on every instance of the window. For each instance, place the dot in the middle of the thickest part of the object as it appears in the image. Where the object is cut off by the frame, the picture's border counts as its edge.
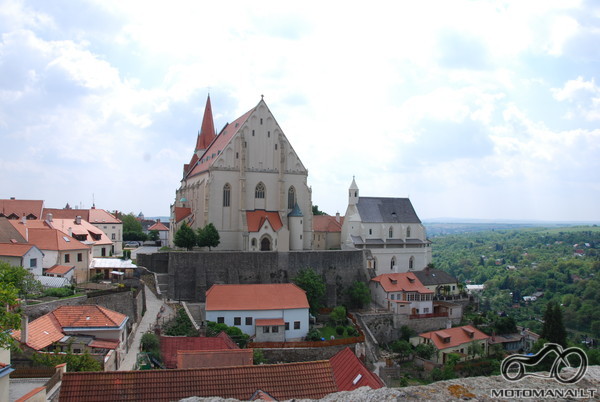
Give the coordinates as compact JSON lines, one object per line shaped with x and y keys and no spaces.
{"x":114,"y":236}
{"x":426,"y":310}
{"x":408,"y":232}
{"x":33,"y":262}
{"x":237,"y":155}
{"x":259,"y":192}
{"x":370,"y":231}
{"x":79,"y":257}
{"x":411,"y":263}
{"x":393,"y":296}
{"x":274,"y":329}
{"x":391,"y":232}
{"x":275,"y":147}
{"x":291,"y":197}
{"x":76,"y":350}
{"x":393,"y":263}
{"x":253,"y":242}
{"x":253,"y":133}
{"x":287,"y":326}
{"x":261,"y":120}
{"x":296,"y":324}
{"x":220,"y":320}
{"x":103,"y":252}
{"x":67,"y":258}
{"x":269,"y":134}
{"x":248,"y":320}
{"x":237,"y":320}
{"x":226,"y":195}
{"x":266,"y":330}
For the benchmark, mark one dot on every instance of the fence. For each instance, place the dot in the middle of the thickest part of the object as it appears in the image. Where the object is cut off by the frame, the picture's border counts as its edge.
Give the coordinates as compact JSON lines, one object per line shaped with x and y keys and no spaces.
{"x":431,"y":315}
{"x":33,"y":372}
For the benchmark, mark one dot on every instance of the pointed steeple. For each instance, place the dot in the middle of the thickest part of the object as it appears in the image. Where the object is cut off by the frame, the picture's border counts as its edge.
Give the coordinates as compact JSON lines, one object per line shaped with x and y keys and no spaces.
{"x":353,"y":193}
{"x":207,"y":131}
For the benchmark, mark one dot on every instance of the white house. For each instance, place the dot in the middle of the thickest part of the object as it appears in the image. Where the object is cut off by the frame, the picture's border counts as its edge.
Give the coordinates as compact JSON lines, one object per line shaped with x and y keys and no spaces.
{"x":23,"y":255}
{"x":389,"y":228}
{"x":402,"y":293}
{"x":269,"y":312}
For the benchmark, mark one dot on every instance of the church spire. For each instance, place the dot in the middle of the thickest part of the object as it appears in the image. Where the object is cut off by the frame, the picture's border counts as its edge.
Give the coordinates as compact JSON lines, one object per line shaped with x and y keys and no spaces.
{"x":207,"y":131}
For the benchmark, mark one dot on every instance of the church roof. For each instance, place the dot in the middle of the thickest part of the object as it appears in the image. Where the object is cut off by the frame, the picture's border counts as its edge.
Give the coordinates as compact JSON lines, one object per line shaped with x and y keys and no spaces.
{"x":258,"y":217}
{"x":182,"y":213}
{"x":296,"y":211}
{"x":388,"y":210}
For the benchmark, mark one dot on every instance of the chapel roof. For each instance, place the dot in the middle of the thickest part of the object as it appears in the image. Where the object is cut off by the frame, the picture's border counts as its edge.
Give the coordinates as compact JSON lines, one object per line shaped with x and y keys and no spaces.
{"x":257,"y":218}
{"x":386,"y":210}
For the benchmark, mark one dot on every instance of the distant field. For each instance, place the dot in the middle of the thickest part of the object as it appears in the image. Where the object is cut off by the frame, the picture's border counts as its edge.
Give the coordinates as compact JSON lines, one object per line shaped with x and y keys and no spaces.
{"x":440,"y":229}
{"x":594,"y":228}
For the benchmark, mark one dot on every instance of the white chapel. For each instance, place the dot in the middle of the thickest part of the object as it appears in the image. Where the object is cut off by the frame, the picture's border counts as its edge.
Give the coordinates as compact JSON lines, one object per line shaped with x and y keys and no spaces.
{"x":389,"y":228}
{"x":247,"y":181}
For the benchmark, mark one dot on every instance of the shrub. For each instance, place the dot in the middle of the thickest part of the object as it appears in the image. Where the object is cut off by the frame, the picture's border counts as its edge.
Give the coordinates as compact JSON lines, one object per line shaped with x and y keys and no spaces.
{"x":58,"y":292}
{"x":313,"y":335}
{"x":351,"y":331}
{"x":340,"y":330}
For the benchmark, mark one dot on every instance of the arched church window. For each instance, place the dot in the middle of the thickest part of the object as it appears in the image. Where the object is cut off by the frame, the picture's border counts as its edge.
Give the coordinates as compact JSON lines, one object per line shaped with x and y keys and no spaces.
{"x":226,"y":195}
{"x":391,"y":232}
{"x":411,"y":263}
{"x":259,"y":192}
{"x":393,"y":263}
{"x":408,"y":231}
{"x":291,"y":197}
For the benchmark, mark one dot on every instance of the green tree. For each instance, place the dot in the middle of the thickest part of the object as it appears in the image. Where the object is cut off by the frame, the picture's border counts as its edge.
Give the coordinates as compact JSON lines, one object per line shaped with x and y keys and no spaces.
{"x":132,"y":228}
{"x":151,"y":345}
{"x":402,"y":347}
{"x":313,"y":285}
{"x":424,"y":351}
{"x":338,"y":315}
{"x":153,"y":235}
{"x":554,"y":329}
{"x":208,"y":236}
{"x":185,"y":237}
{"x":315,"y":210}
{"x":360,"y":294}
{"x":75,"y":362}
{"x":21,"y":279}
{"x":9,"y":317}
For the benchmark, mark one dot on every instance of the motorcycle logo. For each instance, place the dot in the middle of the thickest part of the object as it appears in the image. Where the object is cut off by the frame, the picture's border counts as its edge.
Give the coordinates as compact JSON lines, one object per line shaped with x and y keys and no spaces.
{"x":513,"y":367}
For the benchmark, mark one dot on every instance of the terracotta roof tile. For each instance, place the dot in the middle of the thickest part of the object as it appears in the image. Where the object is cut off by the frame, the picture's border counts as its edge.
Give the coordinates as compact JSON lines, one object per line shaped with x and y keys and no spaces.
{"x":170,"y":345}
{"x":182,"y":213}
{"x":308,"y":380}
{"x":47,"y":239}
{"x":187,"y":359}
{"x":457,"y":336}
{"x":350,"y":373}
{"x":104,"y":343}
{"x":326,"y":223}
{"x":22,"y":208}
{"x":401,"y":282}
{"x":255,"y":297}
{"x":14,"y":249}
{"x":265,"y":322}
{"x":42,"y":332}
{"x":159,"y":226}
{"x":256,"y":219}
{"x":60,"y":269}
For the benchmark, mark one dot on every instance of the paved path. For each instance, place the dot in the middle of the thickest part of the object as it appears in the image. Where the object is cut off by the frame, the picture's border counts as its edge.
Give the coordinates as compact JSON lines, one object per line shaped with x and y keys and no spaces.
{"x":153,"y":305}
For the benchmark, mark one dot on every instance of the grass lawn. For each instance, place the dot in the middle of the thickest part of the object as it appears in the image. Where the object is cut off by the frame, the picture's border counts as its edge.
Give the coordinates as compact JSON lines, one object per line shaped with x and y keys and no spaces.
{"x":327,"y":331}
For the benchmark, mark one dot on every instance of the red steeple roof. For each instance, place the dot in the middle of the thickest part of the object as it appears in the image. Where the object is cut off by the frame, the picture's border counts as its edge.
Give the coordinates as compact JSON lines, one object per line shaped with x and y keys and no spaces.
{"x":207,"y":131}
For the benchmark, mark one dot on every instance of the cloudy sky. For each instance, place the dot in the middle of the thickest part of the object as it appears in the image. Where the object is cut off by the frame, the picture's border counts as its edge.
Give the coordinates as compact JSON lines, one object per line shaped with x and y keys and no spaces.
{"x":473,"y":109}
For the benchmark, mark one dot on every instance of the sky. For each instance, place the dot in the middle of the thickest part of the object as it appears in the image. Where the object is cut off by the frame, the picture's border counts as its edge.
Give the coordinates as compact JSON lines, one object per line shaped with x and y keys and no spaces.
{"x":473,"y":109}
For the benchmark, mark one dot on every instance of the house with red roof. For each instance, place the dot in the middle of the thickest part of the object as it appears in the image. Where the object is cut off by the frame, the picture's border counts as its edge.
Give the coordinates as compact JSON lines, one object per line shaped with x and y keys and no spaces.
{"x":201,"y":351}
{"x":247,"y":181}
{"x":163,"y":232}
{"x":402,"y":293}
{"x":101,"y":219}
{"x":457,"y":340}
{"x":82,"y":328}
{"x":304,"y":380}
{"x":268,"y":312}
{"x":15,"y":209}
{"x":327,"y":232}
{"x":23,"y":255}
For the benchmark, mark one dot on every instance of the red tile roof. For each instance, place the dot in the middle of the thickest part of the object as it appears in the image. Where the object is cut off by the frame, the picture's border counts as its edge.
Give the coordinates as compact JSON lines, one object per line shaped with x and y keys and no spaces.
{"x":84,"y":228}
{"x":255,"y":297}
{"x":14,"y":249}
{"x":93,"y":215}
{"x":21,"y":208}
{"x":326,"y":223}
{"x":401,"y":282}
{"x":182,"y":213}
{"x":350,"y":373}
{"x":49,"y":328}
{"x":207,"y":130}
{"x":256,"y":219}
{"x":47,"y":239}
{"x":159,"y":226}
{"x":104,"y":343}
{"x":187,"y":359}
{"x":60,"y":269}
{"x":308,"y":380}
{"x":457,"y":336}
{"x":170,"y":345}
{"x":219,"y":143}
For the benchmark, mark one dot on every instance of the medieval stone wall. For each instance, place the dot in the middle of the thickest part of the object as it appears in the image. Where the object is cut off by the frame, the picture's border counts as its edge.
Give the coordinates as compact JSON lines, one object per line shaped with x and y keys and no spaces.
{"x":192,"y":273}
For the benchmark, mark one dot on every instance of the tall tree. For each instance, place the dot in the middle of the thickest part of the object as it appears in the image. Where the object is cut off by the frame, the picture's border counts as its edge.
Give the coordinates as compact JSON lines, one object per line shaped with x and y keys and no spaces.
{"x":554,"y":329}
{"x":360,"y":295}
{"x":185,"y":237}
{"x":9,"y":318}
{"x":21,"y":279}
{"x":316,"y":211}
{"x":313,"y":285}
{"x":208,"y":236}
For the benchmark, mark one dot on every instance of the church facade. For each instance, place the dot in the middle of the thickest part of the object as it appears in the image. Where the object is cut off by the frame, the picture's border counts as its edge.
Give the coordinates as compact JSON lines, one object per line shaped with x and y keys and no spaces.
{"x":249,"y":183}
{"x":389,"y":228}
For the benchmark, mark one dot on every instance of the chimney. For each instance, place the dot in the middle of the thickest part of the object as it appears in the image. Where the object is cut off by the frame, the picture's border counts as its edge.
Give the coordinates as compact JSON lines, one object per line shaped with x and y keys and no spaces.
{"x":70,"y":231}
{"x":337,"y":217}
{"x":24,"y":219}
{"x":49,"y":217}
{"x":78,"y":220}
{"x":12,"y":198}
{"x":448,"y":324}
{"x":24,"y":325}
